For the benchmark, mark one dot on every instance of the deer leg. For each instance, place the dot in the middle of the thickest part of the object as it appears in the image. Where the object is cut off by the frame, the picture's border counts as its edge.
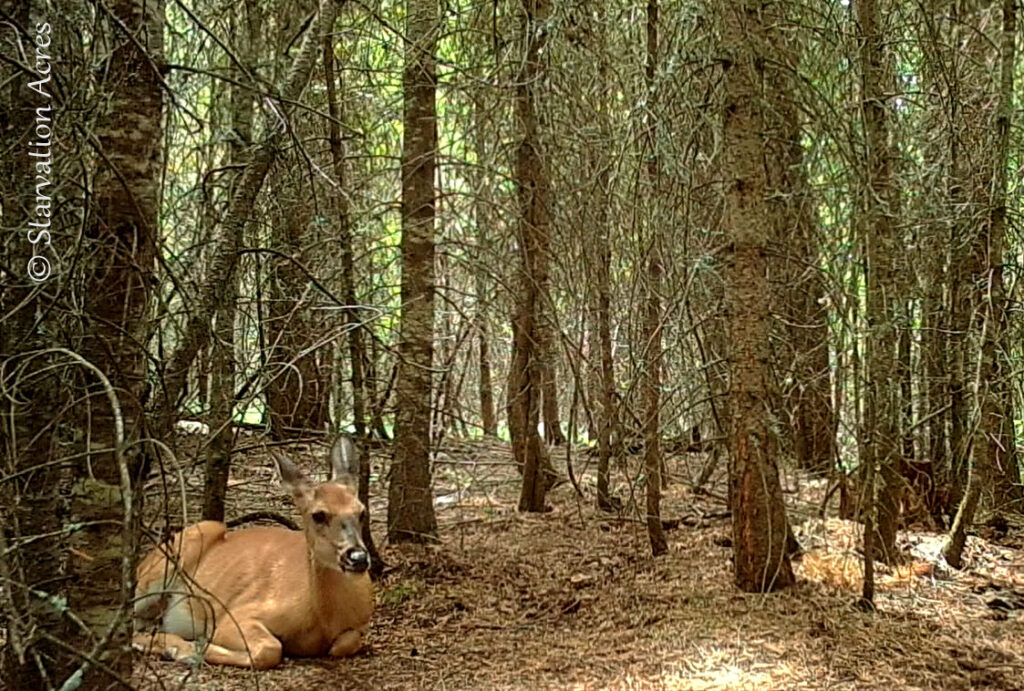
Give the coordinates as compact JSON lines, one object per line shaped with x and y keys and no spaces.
{"x":347,"y":643}
{"x":168,"y":645}
{"x":247,"y":645}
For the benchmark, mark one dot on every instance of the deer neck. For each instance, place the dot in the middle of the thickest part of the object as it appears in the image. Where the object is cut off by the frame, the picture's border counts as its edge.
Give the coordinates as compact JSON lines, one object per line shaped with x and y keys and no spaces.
{"x":338,"y":599}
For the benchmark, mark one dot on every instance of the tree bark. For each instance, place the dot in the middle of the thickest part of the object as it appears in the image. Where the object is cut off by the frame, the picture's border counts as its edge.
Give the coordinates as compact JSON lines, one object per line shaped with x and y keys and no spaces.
{"x":530,"y":175}
{"x":600,"y":323}
{"x":222,"y":347}
{"x":881,"y":388}
{"x":651,"y":384}
{"x":548,"y":367}
{"x":354,"y":335}
{"x":607,"y":421}
{"x":997,"y":398}
{"x":298,"y":391}
{"x":410,"y":501}
{"x":356,"y":352}
{"x":483,"y":220}
{"x":121,"y":239}
{"x":488,"y":416}
{"x":378,"y":402}
{"x":935,"y":465}
{"x":760,"y":559}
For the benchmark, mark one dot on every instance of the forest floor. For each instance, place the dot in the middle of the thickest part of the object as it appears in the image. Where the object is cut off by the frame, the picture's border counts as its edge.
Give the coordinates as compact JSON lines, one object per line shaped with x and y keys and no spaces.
{"x":571,"y":599}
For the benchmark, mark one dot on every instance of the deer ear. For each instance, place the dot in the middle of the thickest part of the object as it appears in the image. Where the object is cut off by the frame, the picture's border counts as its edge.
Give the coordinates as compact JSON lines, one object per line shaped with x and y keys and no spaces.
{"x":292,"y":479}
{"x":345,"y":463}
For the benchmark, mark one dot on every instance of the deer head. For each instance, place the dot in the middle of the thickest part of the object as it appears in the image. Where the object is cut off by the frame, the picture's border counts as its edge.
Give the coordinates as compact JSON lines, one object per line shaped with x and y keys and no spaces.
{"x":331,"y":511}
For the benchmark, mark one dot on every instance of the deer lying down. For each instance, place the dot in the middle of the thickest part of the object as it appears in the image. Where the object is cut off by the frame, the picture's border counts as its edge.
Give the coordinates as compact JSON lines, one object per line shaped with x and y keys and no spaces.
{"x":254,"y":595}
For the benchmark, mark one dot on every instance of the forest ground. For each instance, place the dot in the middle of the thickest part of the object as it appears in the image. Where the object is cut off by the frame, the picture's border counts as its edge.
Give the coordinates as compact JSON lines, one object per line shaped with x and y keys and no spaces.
{"x":571,"y":599}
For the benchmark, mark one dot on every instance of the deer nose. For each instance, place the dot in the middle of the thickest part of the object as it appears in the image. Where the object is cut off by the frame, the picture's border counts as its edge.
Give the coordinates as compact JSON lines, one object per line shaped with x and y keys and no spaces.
{"x":356,"y":559}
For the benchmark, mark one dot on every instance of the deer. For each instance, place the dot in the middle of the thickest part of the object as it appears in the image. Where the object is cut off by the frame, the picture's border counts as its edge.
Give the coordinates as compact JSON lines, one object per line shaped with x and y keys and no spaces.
{"x":248,"y":597}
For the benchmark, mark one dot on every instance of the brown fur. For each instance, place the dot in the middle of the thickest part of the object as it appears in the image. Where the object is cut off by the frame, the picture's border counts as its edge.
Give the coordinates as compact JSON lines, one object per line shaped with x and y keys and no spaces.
{"x":259,"y":593}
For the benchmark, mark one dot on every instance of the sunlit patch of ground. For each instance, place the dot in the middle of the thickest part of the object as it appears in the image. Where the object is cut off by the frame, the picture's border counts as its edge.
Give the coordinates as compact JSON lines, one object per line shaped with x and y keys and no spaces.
{"x":570,"y":600}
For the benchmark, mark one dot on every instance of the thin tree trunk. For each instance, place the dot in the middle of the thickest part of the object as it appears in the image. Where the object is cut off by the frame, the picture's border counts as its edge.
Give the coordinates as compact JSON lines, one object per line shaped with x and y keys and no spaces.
{"x":934,"y":462}
{"x":530,"y":174}
{"x":933,"y":348}
{"x":222,"y":347}
{"x":601,"y":331}
{"x":606,"y":423}
{"x":378,"y":402}
{"x":881,"y":387}
{"x":869,"y":510}
{"x":444,"y":409}
{"x":485,"y":385}
{"x":484,"y":190}
{"x":904,"y":374}
{"x":957,"y":347}
{"x":548,"y":367}
{"x":999,"y":426}
{"x":410,"y":500}
{"x":916,"y":471}
{"x":356,"y":353}
{"x":593,"y":373}
{"x":354,"y":335}
{"x":489,"y":417}
{"x":651,"y":384}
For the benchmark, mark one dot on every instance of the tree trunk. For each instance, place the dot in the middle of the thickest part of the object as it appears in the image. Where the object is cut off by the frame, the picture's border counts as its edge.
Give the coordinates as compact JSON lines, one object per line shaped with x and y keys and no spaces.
{"x":378,"y":402}
{"x":933,"y":349}
{"x":997,"y":397}
{"x":121,"y":240}
{"x":606,"y":424}
{"x":410,"y":501}
{"x":548,"y":367}
{"x":601,"y":320}
{"x":530,"y":175}
{"x":761,"y":562}
{"x":651,"y":384}
{"x":356,"y":352}
{"x":488,"y":416}
{"x":881,"y":388}
{"x":444,"y":408}
{"x":299,"y":387}
{"x":593,"y":365}
{"x":960,"y":231}
{"x":222,"y":347}
{"x":904,"y":374}
{"x":916,"y":470}
{"x":934,"y":465}
{"x":481,"y":211}
{"x":804,"y":335}
{"x":985,"y":267}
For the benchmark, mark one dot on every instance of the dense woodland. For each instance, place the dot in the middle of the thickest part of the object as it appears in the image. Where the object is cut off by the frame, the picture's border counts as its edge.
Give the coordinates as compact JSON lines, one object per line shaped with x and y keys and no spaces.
{"x":684,"y":274}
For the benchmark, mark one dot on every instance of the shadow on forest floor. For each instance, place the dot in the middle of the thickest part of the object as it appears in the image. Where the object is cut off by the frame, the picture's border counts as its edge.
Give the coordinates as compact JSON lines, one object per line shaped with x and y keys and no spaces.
{"x":571,"y":600}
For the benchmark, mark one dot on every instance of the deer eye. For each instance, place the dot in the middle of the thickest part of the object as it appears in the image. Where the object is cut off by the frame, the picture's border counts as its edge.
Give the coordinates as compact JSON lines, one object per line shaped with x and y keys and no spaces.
{"x":321,"y":517}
